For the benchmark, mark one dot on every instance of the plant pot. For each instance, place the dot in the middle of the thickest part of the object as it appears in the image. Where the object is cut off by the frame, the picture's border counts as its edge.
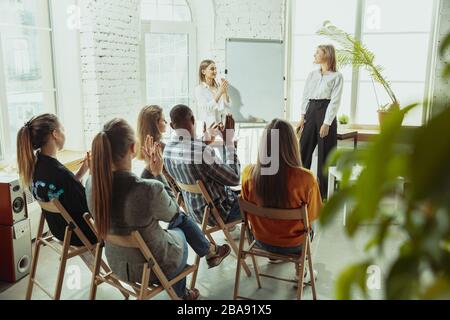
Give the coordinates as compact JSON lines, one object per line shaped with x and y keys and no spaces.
{"x":343,"y":127}
{"x":382,"y":115}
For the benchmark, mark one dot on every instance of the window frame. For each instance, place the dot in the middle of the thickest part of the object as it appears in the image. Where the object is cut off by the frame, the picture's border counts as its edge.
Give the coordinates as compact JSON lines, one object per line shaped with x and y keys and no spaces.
{"x":5,"y":139}
{"x":166,"y":27}
{"x":355,"y":80}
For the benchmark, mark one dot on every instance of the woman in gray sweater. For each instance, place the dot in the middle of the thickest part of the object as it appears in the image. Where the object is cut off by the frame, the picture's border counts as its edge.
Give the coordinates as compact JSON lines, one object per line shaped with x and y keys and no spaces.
{"x":122,"y":202}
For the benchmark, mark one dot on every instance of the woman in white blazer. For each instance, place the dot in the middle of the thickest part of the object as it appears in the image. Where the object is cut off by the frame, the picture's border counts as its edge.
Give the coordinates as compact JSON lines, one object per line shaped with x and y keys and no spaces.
{"x":321,"y":101}
{"x":212,"y":98}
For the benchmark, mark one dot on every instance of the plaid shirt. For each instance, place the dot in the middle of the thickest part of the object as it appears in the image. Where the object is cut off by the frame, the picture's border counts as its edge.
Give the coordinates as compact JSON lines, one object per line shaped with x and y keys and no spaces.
{"x":188,"y":160}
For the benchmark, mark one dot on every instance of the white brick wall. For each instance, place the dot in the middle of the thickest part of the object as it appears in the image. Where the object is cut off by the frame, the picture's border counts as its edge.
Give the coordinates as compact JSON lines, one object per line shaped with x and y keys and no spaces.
{"x":262,"y":19}
{"x":440,"y":86}
{"x":109,"y":44}
{"x":109,"y":41}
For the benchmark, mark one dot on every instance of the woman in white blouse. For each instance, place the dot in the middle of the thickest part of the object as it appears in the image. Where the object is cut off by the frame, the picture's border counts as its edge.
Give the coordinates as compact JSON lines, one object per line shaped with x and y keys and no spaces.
{"x":212,"y":98}
{"x":320,"y":105}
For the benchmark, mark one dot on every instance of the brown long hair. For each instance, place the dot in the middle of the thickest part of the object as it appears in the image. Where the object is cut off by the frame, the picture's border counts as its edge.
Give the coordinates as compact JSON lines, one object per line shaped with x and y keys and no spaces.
{"x":330,"y":54}
{"x":289,"y":157}
{"x":33,"y":136}
{"x":148,"y":124}
{"x":203,"y":66}
{"x":109,"y":147}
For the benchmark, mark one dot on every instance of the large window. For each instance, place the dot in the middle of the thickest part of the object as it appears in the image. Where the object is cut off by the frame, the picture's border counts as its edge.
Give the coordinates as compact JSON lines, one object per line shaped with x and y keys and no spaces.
{"x":168,"y":49}
{"x":400,"y":43}
{"x":26,"y":68}
{"x":165,"y":10}
{"x":308,"y":18}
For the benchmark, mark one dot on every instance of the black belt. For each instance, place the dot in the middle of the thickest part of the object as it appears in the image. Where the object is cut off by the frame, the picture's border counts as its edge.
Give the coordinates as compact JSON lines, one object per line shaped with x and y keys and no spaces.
{"x":319,"y":100}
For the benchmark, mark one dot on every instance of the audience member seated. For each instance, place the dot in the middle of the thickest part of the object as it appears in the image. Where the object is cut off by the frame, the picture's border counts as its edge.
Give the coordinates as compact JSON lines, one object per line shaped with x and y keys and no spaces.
{"x":188,"y":159}
{"x":151,"y":122}
{"x":47,"y":178}
{"x":122,"y":203}
{"x":280,"y":183}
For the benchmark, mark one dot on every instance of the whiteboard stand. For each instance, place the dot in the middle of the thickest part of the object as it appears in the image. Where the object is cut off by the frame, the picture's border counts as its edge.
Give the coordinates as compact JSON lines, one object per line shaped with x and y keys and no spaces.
{"x":255,"y":69}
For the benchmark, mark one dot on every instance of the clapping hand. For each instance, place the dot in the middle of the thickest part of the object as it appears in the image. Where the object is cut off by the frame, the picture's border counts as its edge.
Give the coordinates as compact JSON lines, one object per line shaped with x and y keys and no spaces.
{"x":153,"y":156}
{"x":224,"y":86}
{"x":229,"y":126}
{"x":209,"y":134}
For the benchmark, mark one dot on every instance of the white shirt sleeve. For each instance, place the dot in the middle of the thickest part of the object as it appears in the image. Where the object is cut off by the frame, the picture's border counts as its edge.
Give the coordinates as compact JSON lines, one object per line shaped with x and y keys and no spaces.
{"x":205,"y":100}
{"x":306,"y":95}
{"x":225,"y":103}
{"x":336,"y":96}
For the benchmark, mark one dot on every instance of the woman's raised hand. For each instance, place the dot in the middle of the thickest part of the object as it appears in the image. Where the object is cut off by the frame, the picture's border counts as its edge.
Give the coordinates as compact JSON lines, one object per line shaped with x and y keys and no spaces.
{"x":153,"y":156}
{"x":223,"y":86}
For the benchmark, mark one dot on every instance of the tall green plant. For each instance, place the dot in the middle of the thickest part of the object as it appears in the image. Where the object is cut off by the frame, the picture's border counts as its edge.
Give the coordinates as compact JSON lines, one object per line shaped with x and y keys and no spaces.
{"x":353,"y":52}
{"x":421,"y":157}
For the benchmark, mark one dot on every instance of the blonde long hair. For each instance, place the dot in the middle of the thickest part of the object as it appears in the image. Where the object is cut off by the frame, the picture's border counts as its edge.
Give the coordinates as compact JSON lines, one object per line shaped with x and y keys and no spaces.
{"x":289,"y":157}
{"x":109,"y":147}
{"x":148,"y":121}
{"x":330,"y":55}
{"x":203,"y":66}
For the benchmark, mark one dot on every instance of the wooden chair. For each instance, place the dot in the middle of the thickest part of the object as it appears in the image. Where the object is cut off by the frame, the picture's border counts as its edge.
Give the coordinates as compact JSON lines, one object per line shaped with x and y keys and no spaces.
{"x":64,"y":249}
{"x":176,"y":190}
{"x":143,"y":290}
{"x":210,"y":209}
{"x":299,"y":260}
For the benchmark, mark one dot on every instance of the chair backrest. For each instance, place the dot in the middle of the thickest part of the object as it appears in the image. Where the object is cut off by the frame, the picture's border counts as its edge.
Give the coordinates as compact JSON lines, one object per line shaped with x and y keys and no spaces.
{"x":274,"y":213}
{"x":122,"y":241}
{"x":197,"y":188}
{"x":55,"y":207}
{"x":190,"y":188}
{"x":134,"y":240}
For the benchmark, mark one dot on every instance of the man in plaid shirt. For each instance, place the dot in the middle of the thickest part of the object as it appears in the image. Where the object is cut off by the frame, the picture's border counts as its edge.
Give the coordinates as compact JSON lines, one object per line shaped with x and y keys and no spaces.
{"x":188,"y":159}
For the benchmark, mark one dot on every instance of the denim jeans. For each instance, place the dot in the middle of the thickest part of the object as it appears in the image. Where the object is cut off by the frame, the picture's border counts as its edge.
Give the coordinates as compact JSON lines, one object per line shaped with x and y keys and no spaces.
{"x":190,"y":233}
{"x":180,"y":286}
{"x":279,"y":250}
{"x":283,"y":250}
{"x":235,"y":213}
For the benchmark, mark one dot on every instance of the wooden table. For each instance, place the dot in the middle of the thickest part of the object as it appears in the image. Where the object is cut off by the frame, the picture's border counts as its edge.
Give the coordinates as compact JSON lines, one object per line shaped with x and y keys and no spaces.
{"x":347,"y":135}
{"x":71,"y":159}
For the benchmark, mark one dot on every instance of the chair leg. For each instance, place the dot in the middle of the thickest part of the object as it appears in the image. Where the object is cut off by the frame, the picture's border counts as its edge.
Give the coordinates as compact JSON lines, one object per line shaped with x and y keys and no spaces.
{"x":194,"y":274}
{"x":144,"y":282}
{"x":238,"y":274}
{"x":301,"y":271}
{"x":256,"y":267}
{"x":37,"y":247}
{"x":239,"y":262}
{"x":63,"y":262}
{"x":311,"y":271}
{"x":236,"y":250}
{"x":107,"y":270}
{"x":169,"y":289}
{"x":210,"y":238}
{"x":255,"y":262}
{"x":95,"y":272}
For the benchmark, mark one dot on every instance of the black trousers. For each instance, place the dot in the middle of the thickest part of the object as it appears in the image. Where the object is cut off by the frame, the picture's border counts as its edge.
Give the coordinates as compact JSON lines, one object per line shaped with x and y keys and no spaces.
{"x":310,"y":138}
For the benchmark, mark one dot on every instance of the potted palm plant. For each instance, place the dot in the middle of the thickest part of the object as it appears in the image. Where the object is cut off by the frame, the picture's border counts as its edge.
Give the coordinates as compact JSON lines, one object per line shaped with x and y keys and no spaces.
{"x":353,"y":52}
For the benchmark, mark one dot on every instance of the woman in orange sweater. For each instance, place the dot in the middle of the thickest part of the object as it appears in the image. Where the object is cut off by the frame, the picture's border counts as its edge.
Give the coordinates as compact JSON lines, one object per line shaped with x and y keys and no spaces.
{"x":294,"y":185}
